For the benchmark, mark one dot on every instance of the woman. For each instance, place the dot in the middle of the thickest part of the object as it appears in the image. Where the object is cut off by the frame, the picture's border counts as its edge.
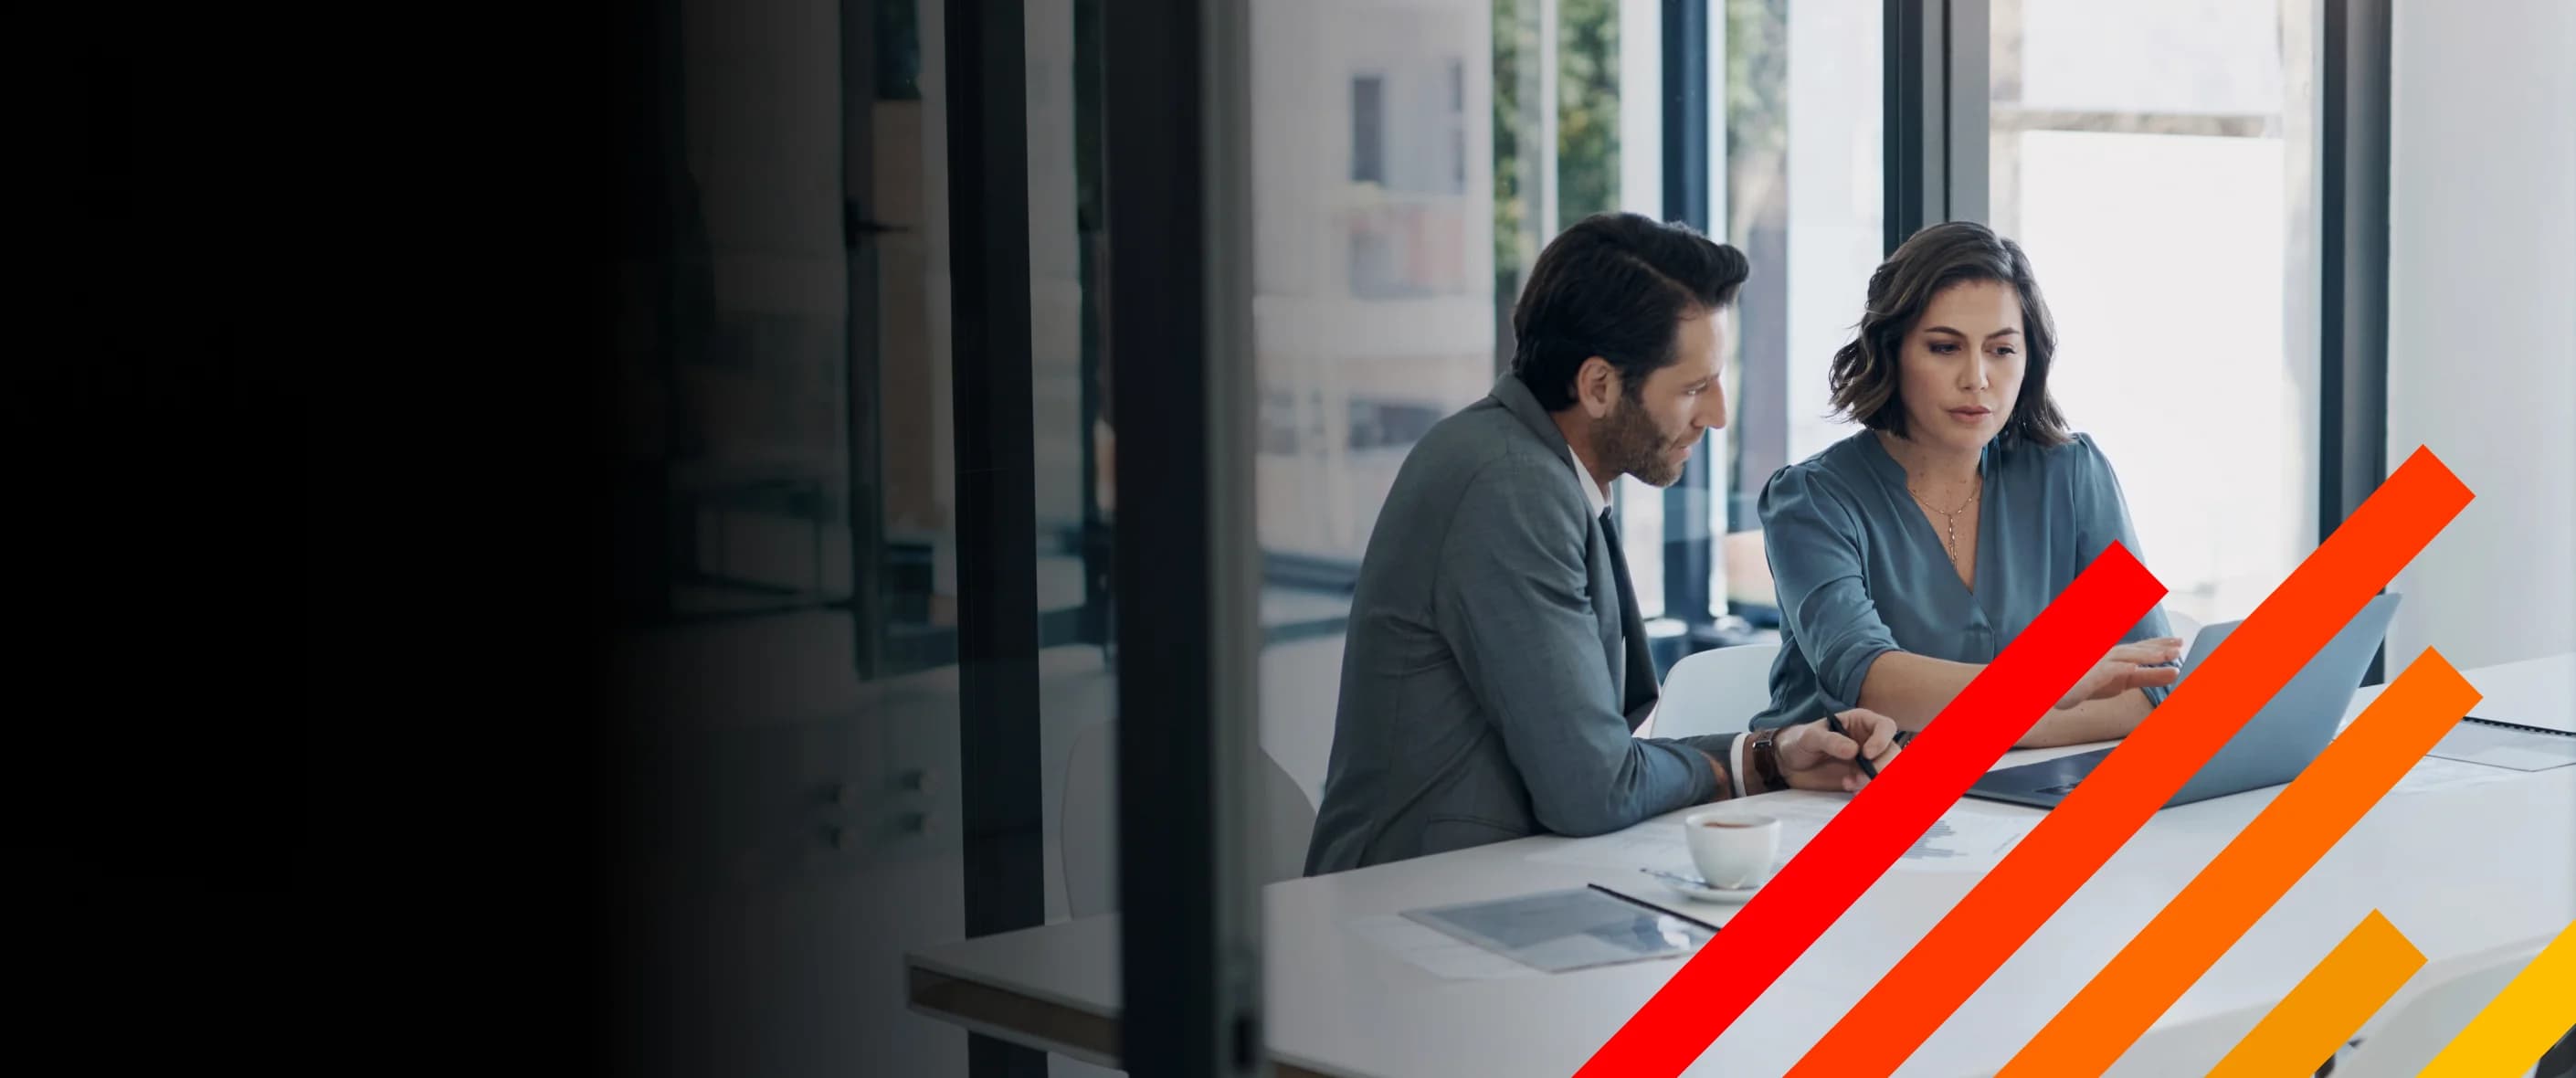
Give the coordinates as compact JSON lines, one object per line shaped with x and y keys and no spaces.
{"x":1909,"y":554}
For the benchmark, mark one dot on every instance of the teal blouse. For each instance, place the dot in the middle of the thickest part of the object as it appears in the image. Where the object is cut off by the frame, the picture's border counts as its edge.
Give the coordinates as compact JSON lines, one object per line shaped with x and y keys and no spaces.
{"x":1860,"y":571}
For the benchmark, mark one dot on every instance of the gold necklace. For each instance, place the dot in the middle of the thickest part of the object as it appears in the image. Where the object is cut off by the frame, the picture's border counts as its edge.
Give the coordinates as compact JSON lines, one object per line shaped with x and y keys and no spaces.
{"x":1950,"y":542}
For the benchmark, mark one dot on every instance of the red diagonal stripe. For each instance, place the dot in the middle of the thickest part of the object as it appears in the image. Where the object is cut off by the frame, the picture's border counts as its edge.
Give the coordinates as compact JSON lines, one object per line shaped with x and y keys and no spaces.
{"x":2121,"y":795}
{"x":1778,"y":924}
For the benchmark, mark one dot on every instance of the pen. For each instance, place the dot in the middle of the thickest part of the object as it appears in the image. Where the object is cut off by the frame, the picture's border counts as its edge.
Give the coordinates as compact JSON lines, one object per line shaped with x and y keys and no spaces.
{"x":1860,"y":754}
{"x":1652,"y":906}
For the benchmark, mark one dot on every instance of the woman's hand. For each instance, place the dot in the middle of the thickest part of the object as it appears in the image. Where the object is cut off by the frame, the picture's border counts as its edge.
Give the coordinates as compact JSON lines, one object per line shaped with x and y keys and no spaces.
{"x":2129,"y":666}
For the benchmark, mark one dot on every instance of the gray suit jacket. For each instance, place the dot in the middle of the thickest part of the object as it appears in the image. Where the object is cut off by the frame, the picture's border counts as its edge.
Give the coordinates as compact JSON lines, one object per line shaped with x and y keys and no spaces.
{"x":1490,"y":685}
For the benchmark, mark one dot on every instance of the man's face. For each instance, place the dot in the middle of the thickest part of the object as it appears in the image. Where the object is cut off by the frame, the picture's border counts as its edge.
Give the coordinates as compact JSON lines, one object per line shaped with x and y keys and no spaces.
{"x":1649,"y":433}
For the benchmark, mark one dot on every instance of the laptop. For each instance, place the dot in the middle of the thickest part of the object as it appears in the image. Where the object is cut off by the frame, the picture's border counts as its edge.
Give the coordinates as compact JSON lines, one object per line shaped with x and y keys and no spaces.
{"x":2271,"y":748}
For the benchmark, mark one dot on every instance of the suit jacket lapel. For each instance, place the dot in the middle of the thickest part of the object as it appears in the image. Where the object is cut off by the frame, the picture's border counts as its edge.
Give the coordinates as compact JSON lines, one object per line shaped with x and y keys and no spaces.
{"x":1623,"y":626}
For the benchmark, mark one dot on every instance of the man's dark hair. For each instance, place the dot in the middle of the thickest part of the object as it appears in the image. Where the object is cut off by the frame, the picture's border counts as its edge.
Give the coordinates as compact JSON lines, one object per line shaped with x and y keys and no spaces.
{"x":1616,"y":285}
{"x":1866,"y":372}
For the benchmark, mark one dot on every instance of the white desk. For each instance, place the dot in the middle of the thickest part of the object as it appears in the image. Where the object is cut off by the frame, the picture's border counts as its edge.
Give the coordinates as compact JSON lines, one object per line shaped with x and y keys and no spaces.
{"x":2459,"y":871}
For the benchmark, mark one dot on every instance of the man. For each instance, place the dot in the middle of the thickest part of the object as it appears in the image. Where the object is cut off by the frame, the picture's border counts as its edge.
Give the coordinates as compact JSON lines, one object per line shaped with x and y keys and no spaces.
{"x":1496,"y":667}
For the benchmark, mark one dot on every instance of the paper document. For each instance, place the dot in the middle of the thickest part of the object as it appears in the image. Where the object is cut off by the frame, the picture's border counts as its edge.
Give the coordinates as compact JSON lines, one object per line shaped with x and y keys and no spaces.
{"x":1428,"y":950}
{"x":1964,"y":838}
{"x":1569,"y":929}
{"x":2501,"y":746}
{"x":1961,"y":841}
{"x":2436,"y":773}
{"x":1653,"y":844}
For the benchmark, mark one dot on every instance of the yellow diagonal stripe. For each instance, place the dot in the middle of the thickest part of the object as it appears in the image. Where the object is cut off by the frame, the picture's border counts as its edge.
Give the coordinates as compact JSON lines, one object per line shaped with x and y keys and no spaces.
{"x":2329,"y":1004}
{"x":2524,"y":1020}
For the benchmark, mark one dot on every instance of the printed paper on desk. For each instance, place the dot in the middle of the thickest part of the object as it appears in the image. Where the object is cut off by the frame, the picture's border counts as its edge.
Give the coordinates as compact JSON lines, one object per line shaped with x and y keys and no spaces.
{"x":1969,"y":837}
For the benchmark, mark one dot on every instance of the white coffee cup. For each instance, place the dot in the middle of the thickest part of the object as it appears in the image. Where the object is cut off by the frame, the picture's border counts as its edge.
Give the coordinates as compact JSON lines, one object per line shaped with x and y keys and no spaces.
{"x":1733,"y":848}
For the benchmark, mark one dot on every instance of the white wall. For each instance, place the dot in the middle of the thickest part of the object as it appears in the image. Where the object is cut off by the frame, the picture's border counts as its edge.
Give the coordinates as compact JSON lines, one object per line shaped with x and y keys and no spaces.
{"x":2482,"y":318}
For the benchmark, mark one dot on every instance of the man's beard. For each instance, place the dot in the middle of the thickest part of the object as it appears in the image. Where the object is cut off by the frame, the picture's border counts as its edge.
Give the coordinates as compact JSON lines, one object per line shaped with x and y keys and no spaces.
{"x":1629,"y":441}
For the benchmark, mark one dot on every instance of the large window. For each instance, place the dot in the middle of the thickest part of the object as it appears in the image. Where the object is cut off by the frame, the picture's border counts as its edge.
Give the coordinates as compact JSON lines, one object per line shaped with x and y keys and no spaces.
{"x":1413,"y":157}
{"x":1793,"y":179}
{"x":1802,"y":170}
{"x":2155,"y":160}
{"x":1373,"y":258}
{"x":1416,"y":177}
{"x":1371,"y":208}
{"x":1368,"y":129}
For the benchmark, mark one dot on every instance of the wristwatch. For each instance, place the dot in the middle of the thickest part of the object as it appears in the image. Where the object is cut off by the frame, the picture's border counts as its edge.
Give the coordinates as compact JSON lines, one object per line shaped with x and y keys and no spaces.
{"x":1765,"y":760}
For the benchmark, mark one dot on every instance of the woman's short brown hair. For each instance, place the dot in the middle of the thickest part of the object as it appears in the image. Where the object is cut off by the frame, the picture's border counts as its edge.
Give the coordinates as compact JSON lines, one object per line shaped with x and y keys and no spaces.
{"x":1866,"y":371}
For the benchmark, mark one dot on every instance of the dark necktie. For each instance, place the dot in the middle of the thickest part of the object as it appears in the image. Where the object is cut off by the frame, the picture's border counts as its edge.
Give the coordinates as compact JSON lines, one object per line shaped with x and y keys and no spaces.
{"x":1640,"y":681}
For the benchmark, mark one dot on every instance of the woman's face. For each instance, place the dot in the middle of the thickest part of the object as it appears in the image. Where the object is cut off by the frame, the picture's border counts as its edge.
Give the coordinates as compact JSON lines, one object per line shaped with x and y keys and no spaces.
{"x":1961,"y":366}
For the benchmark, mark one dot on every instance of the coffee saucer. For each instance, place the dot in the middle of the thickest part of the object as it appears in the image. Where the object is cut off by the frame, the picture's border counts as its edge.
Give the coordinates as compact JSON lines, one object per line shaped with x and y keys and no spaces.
{"x":1691,"y":885}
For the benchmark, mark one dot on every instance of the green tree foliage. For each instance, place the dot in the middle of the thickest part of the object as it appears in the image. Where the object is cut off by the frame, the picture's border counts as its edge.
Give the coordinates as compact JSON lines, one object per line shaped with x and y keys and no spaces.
{"x":1587,"y":129}
{"x":1587,"y":126}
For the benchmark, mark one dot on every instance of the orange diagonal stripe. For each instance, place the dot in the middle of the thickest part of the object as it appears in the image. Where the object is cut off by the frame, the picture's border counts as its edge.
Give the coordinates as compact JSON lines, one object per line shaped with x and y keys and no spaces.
{"x":2241,"y":884}
{"x":2070,"y":843}
{"x":2328,"y":1006}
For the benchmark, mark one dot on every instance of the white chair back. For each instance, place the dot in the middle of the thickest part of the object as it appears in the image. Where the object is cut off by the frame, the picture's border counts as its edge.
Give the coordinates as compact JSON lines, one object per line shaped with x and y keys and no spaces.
{"x":1717,"y":691}
{"x":2425,"y":1015}
{"x":1088,"y":822}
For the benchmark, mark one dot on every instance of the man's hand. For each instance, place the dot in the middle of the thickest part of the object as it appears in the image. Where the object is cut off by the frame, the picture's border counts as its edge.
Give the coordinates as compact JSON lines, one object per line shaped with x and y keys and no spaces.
{"x":2129,"y":666}
{"x":1814,"y":757}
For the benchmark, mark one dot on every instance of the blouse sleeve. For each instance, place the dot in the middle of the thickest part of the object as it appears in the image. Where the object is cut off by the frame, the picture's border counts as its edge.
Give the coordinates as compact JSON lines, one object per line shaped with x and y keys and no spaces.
{"x":1815,"y":545}
{"x":2101,"y":519}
